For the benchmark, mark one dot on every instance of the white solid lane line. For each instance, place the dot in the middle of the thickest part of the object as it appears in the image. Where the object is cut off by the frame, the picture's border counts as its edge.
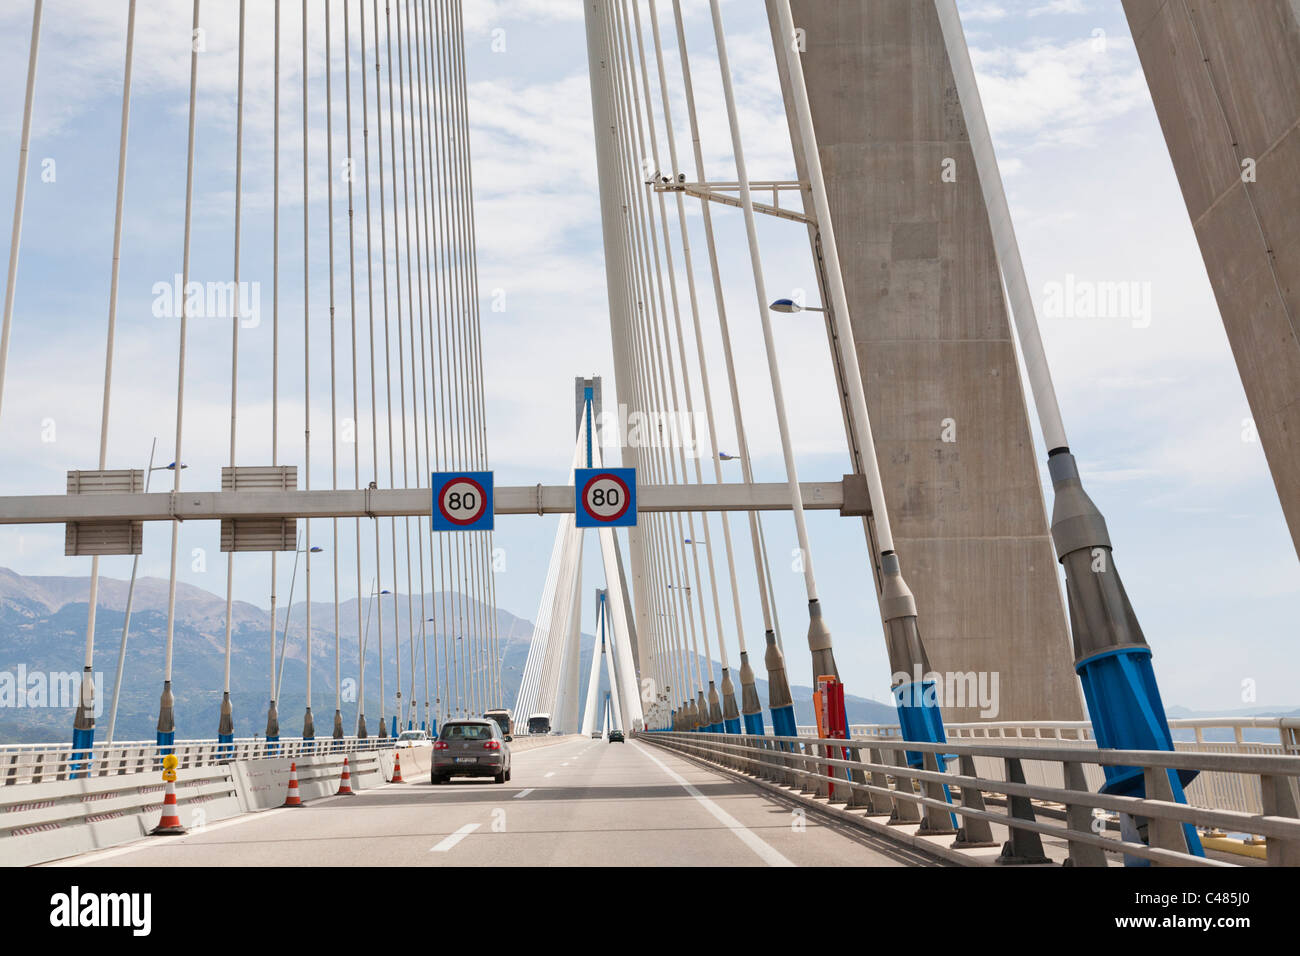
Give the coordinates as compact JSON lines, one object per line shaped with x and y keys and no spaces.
{"x":770,"y":856}
{"x":523,"y":793}
{"x":452,"y":839}
{"x":551,"y":774}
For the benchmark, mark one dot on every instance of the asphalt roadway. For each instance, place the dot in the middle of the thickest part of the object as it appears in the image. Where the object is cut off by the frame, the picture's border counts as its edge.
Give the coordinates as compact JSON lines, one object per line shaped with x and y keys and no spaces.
{"x":579,"y":802}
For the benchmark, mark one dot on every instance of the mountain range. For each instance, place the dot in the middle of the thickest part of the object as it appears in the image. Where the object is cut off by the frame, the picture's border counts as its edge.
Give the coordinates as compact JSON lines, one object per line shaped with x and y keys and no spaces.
{"x":43,"y":629}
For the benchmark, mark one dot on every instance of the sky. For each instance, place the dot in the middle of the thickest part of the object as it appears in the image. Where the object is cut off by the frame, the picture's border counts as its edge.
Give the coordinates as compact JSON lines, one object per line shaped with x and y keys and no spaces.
{"x":1153,"y":401}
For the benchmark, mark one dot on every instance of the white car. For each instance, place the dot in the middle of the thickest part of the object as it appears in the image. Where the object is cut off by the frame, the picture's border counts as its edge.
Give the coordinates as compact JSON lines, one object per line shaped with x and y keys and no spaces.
{"x":413,"y":738}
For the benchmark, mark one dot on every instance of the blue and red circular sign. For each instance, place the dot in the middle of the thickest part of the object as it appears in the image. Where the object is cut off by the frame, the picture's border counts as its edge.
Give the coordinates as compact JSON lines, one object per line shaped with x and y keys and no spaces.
{"x":462,"y":501}
{"x":605,"y":497}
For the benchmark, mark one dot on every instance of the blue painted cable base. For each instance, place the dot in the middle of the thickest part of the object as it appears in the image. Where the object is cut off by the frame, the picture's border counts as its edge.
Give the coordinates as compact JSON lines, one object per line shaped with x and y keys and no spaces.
{"x":754,"y":724}
{"x":1126,"y":712}
{"x":166,"y":742}
{"x":731,"y":726}
{"x":783,"y":724}
{"x":920,"y":719}
{"x":83,"y":743}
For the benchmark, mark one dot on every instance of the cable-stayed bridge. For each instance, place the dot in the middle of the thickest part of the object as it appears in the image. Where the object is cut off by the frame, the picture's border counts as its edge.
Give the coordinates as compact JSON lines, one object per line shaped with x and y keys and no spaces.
{"x":357,"y":114}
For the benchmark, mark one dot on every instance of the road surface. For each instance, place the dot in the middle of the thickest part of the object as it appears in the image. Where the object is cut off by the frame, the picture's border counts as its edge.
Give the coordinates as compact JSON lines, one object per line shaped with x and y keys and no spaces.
{"x":581,"y":802}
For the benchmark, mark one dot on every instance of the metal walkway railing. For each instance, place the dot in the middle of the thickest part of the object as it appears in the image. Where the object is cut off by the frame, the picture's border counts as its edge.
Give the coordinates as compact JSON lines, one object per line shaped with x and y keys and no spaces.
{"x":1214,"y":790}
{"x":873,"y":777}
{"x":42,"y":763}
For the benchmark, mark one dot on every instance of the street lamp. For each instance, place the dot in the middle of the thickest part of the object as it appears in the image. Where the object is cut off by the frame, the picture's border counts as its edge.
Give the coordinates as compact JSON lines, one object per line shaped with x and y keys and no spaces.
{"x":284,"y":639}
{"x":789,"y":306}
{"x":130,"y":595}
{"x":361,"y":698}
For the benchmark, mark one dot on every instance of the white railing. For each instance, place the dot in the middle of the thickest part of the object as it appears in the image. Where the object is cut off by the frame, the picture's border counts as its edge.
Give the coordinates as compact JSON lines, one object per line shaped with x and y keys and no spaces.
{"x":41,"y":763}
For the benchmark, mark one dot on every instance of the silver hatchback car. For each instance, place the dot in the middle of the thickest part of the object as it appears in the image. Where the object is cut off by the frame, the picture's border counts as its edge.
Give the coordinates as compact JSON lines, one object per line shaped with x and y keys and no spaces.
{"x":471,"y":748}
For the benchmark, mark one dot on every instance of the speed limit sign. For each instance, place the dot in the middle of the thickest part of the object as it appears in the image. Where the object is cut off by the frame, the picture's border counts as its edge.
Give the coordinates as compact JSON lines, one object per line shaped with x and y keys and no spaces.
{"x":462,"y":500}
{"x":605,"y":497}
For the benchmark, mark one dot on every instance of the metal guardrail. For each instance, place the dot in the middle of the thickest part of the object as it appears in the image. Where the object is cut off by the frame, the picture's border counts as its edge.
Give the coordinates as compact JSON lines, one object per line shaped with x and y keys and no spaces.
{"x":1212,"y":790}
{"x":873,"y":775}
{"x":42,"y":763}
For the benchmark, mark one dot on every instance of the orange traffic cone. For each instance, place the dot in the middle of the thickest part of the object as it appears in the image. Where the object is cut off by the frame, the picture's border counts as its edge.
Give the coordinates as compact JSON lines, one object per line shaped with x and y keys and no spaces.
{"x":397,"y":767}
{"x":293,"y":800}
{"x":345,"y":782}
{"x":170,"y":824}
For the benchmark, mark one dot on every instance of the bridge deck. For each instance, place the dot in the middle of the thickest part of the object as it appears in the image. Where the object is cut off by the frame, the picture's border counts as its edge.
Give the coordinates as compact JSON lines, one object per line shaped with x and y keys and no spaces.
{"x":578,"y":802}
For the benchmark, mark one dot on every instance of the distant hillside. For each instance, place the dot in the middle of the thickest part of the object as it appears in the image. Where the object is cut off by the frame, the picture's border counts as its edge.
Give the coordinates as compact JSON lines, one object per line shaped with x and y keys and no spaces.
{"x":43,"y":626}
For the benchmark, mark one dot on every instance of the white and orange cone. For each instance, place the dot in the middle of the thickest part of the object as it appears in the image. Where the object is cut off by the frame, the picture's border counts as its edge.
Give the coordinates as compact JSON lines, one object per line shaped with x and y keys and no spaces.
{"x":397,"y":767}
{"x":345,"y":782}
{"x":293,"y":800}
{"x":170,"y":824}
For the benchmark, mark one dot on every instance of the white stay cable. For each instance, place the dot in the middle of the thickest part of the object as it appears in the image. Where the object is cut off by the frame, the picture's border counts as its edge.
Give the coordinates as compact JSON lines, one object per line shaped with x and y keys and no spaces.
{"x":308,"y":728}
{"x":486,"y":542}
{"x":87,"y":686}
{"x":388,"y":376}
{"x":352,"y":312}
{"x":424,"y":292}
{"x":334,"y":413}
{"x":450,"y":649}
{"x":226,"y":721}
{"x":686,"y":380}
{"x":376,"y":595}
{"x":403,"y":78}
{"x":768,"y":608}
{"x":272,"y":724}
{"x":433,"y":455}
{"x":1004,"y":233}
{"x":646,"y":386}
{"x":760,"y":290}
{"x":835,"y":279}
{"x":16,"y":235}
{"x":401,"y":358}
{"x":724,"y":518}
{"x":166,"y":716}
{"x":655,"y":332}
{"x":647,"y":241}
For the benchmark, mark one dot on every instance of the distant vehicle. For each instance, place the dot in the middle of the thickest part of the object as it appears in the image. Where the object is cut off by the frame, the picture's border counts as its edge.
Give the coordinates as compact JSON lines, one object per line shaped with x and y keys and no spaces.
{"x":616,"y":736}
{"x":470,"y":748}
{"x":539,"y":724}
{"x":502,"y":717}
{"x":596,"y":735}
{"x":413,"y":738}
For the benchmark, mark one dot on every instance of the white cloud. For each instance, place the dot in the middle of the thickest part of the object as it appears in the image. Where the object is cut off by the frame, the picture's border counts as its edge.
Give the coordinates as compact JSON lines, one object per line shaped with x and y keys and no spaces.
{"x":983,"y":11}
{"x":1059,"y":7}
{"x":1047,"y":93}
